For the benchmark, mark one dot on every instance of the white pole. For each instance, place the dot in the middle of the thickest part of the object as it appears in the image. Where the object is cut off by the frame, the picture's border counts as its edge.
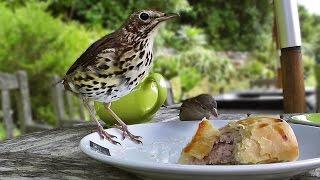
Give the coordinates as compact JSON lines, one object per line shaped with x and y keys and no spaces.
{"x":288,"y":23}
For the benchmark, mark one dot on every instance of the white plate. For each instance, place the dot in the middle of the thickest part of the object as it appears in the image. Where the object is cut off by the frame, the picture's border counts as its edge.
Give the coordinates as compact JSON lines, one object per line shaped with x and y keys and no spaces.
{"x":163,"y":142}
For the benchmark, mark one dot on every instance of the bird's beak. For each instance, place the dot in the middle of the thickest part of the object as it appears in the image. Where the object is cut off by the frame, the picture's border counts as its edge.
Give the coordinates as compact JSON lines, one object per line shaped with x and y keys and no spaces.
{"x":167,"y":16}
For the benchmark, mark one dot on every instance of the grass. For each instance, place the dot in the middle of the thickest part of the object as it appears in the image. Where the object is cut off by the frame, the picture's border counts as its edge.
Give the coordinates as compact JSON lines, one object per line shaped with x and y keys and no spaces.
{"x":16,"y":132}
{"x":2,"y":132}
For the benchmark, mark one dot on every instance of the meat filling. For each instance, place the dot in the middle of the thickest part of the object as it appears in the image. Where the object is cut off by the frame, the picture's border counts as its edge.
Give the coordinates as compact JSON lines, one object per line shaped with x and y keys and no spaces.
{"x":223,"y":149}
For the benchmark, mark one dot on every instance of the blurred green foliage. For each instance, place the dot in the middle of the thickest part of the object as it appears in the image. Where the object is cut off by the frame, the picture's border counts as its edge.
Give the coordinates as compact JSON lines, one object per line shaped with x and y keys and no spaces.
{"x":110,"y":14}
{"x":33,"y":40}
{"x":229,"y":25}
{"x":232,"y":26}
{"x":16,"y":132}
{"x":310,"y":25}
{"x":194,"y":64}
{"x":310,"y":31}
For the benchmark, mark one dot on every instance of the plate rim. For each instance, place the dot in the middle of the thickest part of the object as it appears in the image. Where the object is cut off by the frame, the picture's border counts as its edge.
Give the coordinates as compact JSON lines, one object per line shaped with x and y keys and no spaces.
{"x":257,"y":169}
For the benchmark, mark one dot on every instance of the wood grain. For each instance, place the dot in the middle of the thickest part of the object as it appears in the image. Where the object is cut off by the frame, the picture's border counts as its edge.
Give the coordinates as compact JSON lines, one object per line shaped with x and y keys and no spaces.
{"x":58,"y":100}
{"x":24,"y":100}
{"x":7,"y":113}
{"x":17,"y":84}
{"x":71,"y":106}
{"x":8,"y":81}
{"x":293,"y":81}
{"x":68,"y":108}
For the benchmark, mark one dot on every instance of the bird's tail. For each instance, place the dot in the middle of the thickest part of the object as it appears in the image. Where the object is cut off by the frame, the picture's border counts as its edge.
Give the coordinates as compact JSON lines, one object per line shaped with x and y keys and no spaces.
{"x":65,"y":83}
{"x":60,"y":81}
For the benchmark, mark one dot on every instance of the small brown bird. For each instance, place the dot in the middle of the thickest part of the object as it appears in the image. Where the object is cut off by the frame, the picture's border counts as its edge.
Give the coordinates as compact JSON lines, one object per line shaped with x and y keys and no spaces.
{"x":112,"y":66}
{"x":196,"y":108}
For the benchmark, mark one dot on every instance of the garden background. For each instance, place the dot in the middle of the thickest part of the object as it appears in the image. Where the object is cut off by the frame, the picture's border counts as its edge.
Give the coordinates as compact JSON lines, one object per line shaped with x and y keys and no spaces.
{"x":194,"y":52}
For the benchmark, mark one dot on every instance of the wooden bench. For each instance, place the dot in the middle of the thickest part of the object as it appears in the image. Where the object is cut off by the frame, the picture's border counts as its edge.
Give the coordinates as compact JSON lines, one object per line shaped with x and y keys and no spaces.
{"x":68,"y":108}
{"x":17,"y":84}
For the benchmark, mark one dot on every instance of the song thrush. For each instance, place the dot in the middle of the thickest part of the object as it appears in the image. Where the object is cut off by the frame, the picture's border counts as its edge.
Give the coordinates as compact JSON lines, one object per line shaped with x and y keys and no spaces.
{"x":112,"y":66}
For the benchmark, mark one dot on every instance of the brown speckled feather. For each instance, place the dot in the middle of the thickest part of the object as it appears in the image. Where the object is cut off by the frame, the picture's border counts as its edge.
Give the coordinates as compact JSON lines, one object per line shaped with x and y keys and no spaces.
{"x":115,"y":64}
{"x":89,"y":56}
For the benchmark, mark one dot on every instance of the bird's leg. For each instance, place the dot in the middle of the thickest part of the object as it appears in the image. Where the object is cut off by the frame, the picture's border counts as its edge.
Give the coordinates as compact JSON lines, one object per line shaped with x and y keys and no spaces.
{"x":122,"y":126}
{"x":103,"y":134}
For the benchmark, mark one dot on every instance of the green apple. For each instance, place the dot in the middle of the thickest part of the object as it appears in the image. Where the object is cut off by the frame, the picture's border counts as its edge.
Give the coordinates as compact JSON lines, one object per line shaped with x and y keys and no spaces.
{"x":140,"y":105}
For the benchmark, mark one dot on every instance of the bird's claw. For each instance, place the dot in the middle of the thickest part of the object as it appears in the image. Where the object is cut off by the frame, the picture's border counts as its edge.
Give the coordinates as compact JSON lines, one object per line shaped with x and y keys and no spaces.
{"x":104,"y":135}
{"x":126,"y":132}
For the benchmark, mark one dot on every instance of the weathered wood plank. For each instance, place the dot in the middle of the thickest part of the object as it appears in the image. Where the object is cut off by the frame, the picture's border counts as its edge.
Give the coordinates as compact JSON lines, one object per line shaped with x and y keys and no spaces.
{"x":54,"y":154}
{"x":7,"y":113}
{"x":8,"y":81}
{"x":34,"y":127}
{"x":70,"y":105}
{"x":24,"y":98}
{"x":68,"y":113}
{"x":82,"y":110}
{"x":58,"y":100}
{"x":31,"y":165}
{"x":61,"y":142}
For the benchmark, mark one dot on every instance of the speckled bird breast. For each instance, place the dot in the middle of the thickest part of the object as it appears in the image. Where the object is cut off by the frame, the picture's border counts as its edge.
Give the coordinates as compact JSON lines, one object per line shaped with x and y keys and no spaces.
{"x":114,"y":76}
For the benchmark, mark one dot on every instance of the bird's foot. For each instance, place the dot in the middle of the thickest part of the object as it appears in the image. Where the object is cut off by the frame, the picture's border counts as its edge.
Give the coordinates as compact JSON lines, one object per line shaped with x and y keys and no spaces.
{"x":126,"y":132}
{"x":104,"y":135}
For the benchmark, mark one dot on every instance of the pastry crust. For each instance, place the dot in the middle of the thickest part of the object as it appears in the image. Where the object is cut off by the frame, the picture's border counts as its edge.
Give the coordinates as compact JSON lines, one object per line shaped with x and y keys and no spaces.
{"x":265,"y":140}
{"x":257,"y":140}
{"x":201,"y":143}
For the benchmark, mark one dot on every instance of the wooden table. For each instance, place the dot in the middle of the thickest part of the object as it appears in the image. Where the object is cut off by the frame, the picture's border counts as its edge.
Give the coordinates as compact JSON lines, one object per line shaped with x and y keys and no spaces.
{"x":55,"y":154}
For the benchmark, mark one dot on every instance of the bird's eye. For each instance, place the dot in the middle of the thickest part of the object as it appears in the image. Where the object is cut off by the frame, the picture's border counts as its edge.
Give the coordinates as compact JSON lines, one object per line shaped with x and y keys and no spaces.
{"x":144,"y":16}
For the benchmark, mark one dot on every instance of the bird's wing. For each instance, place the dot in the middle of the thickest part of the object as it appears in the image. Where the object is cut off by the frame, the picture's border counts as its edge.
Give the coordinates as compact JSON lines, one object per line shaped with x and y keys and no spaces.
{"x":89,"y":56}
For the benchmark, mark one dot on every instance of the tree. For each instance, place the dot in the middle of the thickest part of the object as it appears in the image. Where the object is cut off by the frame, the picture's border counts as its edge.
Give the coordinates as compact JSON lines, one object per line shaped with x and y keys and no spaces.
{"x":228,"y":25}
{"x":109,"y":14}
{"x":232,"y":25}
{"x":34,"y":41}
